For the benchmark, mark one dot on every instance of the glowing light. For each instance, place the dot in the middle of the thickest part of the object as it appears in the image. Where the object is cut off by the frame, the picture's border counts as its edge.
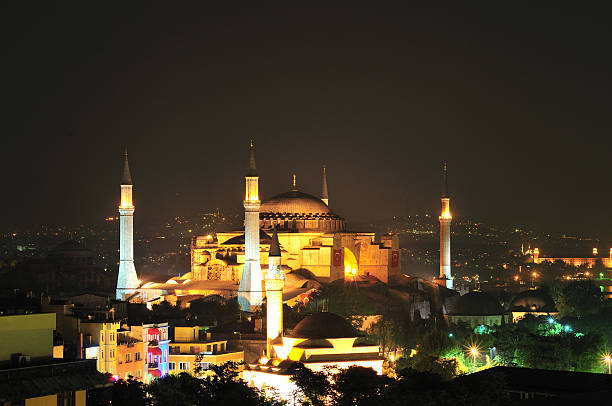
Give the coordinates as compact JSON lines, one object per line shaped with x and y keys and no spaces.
{"x":474,"y":352}
{"x":446,"y":215}
{"x":534,"y":275}
{"x":594,"y":251}
{"x":608,"y":359}
{"x":567,"y":329}
{"x":348,"y":270}
{"x":516,"y":277}
{"x":551,"y":320}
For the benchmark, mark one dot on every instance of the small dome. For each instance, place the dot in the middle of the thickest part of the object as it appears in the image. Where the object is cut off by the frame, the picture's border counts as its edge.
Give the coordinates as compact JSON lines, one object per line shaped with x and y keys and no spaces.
{"x":476,"y":304}
{"x":294,"y":202}
{"x":324,"y":325}
{"x":533,"y":300}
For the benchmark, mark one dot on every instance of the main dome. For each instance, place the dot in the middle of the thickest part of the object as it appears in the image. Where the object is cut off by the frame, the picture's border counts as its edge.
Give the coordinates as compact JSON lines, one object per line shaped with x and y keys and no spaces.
{"x":324,"y":325}
{"x":294,"y":202}
{"x":533,"y":300}
{"x":296,"y":211}
{"x":476,"y":304}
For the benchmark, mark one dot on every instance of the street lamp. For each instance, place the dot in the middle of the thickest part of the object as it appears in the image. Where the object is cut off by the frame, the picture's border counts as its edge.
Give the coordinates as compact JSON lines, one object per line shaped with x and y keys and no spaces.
{"x":608,"y":359}
{"x":474,"y":352}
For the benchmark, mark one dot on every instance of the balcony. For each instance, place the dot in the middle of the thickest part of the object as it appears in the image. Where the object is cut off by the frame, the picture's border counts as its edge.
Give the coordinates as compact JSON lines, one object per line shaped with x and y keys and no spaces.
{"x":153,"y":365}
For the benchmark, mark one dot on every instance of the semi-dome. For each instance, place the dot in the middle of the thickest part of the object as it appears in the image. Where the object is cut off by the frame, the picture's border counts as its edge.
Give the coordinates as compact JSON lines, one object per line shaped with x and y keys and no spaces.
{"x":533,"y":300}
{"x":323,"y":326}
{"x":294,"y":202}
{"x":476,"y":304}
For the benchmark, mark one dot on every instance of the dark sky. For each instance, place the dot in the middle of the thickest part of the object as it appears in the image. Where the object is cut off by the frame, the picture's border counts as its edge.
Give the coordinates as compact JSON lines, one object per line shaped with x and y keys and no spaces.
{"x":516,"y":99}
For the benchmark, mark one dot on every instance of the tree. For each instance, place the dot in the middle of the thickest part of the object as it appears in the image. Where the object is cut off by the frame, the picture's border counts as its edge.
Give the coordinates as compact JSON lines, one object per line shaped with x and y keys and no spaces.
{"x":226,"y":388}
{"x":315,"y":386}
{"x":358,"y":386}
{"x":123,"y":392}
{"x":579,"y":299}
{"x":176,"y":390}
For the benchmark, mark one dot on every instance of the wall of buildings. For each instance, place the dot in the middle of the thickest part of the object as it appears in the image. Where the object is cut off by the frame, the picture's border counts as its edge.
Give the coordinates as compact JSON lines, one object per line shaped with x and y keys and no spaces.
{"x":29,"y":334}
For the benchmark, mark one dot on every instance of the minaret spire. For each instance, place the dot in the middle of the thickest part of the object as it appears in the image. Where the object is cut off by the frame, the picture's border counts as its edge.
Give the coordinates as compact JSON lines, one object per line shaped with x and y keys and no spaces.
{"x":275,"y":246}
{"x":274,"y":282}
{"x":324,"y":195}
{"x":294,"y":183}
{"x":127,"y":176}
{"x":444,"y":181}
{"x":250,"y":291}
{"x":445,"y":278}
{"x":252,"y":171}
{"x":127,"y":280}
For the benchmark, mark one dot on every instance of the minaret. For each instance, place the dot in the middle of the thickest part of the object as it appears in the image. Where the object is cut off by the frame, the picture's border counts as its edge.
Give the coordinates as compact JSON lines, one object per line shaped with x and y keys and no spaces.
{"x":127,"y":281}
{"x":250,"y":291}
{"x":445,"y":218}
{"x":324,"y":195}
{"x":275,"y":279}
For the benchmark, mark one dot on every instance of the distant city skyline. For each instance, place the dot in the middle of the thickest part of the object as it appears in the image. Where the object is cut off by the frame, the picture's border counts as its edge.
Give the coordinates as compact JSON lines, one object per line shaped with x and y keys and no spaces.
{"x":519,"y":112}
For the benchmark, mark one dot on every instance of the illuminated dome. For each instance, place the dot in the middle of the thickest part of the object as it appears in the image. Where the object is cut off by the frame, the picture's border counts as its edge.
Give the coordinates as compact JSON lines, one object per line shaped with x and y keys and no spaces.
{"x":294,"y":202}
{"x":533,"y":301}
{"x":476,"y":304}
{"x":324,"y":325}
{"x":298,"y":211}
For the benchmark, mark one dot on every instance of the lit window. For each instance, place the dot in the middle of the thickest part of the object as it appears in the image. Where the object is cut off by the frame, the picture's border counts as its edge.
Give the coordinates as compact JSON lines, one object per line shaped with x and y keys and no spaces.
{"x":171,"y":366}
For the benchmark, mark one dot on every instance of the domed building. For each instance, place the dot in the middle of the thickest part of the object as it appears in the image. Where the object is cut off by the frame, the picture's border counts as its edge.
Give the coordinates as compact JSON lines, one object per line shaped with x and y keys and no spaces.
{"x":477,"y":308}
{"x":321,"y":340}
{"x":312,"y":238}
{"x":532,"y":301}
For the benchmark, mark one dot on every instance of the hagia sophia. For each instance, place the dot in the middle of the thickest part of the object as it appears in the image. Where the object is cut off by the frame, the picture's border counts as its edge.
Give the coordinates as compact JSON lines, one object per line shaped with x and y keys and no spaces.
{"x":315,"y":246}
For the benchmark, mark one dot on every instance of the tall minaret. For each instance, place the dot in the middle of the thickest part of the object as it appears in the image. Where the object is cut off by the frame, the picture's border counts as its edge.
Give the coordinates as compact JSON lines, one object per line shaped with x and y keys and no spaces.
{"x":250,"y":291}
{"x":324,"y":195}
{"x":445,"y":218}
{"x":275,"y":279}
{"x":127,"y":281}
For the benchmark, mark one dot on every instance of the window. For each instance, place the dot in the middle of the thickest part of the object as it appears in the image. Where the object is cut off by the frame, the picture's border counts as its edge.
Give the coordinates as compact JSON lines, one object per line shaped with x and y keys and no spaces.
{"x":183,"y":366}
{"x":204,"y":365}
{"x":222,"y":346}
{"x":171,"y":366}
{"x":208,"y":348}
{"x":128,"y":358}
{"x":65,"y":399}
{"x":137,"y":356}
{"x":139,"y":373}
{"x":214,"y":348}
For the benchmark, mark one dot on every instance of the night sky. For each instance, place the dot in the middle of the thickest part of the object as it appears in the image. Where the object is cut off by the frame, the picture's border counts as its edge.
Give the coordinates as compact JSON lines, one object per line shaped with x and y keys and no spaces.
{"x":516,"y":99}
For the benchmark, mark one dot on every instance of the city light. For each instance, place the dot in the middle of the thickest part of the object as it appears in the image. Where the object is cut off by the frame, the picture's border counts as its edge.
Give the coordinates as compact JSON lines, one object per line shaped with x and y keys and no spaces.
{"x":607,"y":359}
{"x":474,"y":352}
